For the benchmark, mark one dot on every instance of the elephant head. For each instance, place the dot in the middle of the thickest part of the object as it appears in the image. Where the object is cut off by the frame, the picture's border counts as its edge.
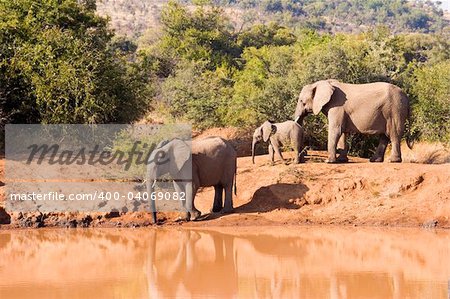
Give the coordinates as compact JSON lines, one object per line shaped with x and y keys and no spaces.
{"x":263,"y":132}
{"x":169,"y":157}
{"x":312,"y":98}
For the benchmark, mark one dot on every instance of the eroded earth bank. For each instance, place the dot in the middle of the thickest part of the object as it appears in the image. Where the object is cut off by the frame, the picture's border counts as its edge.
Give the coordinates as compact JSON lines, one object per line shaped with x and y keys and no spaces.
{"x":357,"y":193}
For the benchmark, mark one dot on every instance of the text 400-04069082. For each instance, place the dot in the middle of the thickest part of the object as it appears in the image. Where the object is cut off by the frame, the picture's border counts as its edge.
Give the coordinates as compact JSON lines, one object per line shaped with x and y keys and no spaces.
{"x":102,"y":196}
{"x":162,"y":195}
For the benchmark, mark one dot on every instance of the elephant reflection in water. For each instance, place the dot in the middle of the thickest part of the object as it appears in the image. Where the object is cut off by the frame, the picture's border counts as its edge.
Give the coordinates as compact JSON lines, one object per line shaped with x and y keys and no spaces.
{"x":188,"y":263}
{"x":343,"y":285}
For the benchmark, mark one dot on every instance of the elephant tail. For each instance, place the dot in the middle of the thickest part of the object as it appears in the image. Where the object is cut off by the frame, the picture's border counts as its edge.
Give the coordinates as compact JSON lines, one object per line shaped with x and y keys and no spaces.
{"x":409,"y":141}
{"x":235,"y":180}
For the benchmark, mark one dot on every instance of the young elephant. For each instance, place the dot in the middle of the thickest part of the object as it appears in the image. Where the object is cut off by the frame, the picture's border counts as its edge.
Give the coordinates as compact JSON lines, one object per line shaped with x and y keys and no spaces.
{"x":213,"y":164}
{"x":279,"y":134}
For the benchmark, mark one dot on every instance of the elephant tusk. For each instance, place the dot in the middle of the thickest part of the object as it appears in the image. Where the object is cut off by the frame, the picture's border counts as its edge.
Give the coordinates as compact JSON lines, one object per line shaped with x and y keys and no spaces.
{"x":154,"y":184}
{"x":297,"y":118}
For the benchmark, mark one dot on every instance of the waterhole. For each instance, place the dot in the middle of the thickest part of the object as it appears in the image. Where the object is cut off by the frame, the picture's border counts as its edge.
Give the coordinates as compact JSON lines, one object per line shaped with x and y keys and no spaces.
{"x":247,"y":262}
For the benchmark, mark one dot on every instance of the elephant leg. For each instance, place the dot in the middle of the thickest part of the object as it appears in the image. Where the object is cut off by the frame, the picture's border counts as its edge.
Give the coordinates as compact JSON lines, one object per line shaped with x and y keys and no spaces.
{"x":271,"y":153}
{"x":299,"y":155}
{"x":342,"y":149}
{"x":218,"y":194}
{"x":381,"y":149}
{"x":334,"y":133}
{"x":396,"y":156}
{"x":228,"y":206}
{"x":182,"y":188}
{"x":276,"y":148}
{"x":192,"y":212}
{"x":150,"y":189}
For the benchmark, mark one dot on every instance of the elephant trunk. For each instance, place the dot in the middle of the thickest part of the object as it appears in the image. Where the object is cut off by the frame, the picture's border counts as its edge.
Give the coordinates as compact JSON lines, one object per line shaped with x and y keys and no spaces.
{"x":299,"y":119}
{"x":300,"y":113}
{"x":150,"y":188}
{"x":253,"y":150}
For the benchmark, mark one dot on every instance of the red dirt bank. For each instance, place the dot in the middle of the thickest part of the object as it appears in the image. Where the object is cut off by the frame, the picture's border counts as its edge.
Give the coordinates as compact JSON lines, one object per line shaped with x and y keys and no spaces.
{"x":357,"y":193}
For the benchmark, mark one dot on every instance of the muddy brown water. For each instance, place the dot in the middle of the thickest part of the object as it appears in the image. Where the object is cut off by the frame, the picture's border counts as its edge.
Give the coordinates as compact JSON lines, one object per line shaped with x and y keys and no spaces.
{"x":247,"y":262}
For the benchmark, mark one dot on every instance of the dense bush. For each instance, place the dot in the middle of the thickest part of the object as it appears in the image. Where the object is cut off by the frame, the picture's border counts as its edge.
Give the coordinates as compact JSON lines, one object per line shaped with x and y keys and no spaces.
{"x":265,"y":89}
{"x":197,"y":94}
{"x":263,"y":35}
{"x":57,"y":65}
{"x":201,"y":35}
{"x":431,"y":109}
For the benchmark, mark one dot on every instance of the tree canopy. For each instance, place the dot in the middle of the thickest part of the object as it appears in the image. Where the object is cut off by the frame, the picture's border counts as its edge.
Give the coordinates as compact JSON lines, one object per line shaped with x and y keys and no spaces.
{"x":57,"y":65}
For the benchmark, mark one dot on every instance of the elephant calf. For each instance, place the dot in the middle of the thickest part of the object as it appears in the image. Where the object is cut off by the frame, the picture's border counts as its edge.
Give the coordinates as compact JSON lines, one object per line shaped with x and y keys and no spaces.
{"x":214,"y":163}
{"x":279,"y":134}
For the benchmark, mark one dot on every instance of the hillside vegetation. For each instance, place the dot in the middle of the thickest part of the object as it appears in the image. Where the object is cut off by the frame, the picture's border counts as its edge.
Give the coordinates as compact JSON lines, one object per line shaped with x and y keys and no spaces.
{"x":132,"y":17}
{"x":60,"y":62}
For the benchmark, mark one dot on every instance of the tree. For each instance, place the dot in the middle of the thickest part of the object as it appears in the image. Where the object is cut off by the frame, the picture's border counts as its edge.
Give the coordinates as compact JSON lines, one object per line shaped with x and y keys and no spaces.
{"x":266,"y":35}
{"x":431,"y":106}
{"x":266,"y":88}
{"x":197,"y":94}
{"x":57,"y":65}
{"x":201,"y":35}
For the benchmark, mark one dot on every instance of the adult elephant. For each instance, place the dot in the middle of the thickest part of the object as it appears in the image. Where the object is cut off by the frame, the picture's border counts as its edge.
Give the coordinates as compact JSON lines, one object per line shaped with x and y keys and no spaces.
{"x":375,"y":108}
{"x":207,"y":162}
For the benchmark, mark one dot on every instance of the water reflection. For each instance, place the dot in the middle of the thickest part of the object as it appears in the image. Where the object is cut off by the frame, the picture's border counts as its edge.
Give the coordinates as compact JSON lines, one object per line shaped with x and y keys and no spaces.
{"x":247,"y":262}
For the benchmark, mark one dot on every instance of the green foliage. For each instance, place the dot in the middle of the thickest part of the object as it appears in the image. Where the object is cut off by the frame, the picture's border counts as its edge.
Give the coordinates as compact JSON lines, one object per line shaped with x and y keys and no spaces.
{"x":350,"y":15}
{"x":57,"y":66}
{"x":362,"y":145}
{"x":197,"y":94}
{"x":265,"y":89}
{"x":144,"y":139}
{"x":316,"y":131}
{"x":431,"y":109}
{"x":266,"y":35}
{"x":202,"y":35}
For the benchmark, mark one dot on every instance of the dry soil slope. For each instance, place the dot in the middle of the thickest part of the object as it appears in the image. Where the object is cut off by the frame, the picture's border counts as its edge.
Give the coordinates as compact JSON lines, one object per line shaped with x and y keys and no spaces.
{"x":357,"y":193}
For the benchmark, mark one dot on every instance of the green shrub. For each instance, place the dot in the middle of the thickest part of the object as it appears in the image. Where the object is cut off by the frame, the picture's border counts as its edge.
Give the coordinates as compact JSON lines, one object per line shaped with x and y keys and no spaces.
{"x":266,"y":89}
{"x":431,"y":106}
{"x":57,"y":66}
{"x":197,"y":95}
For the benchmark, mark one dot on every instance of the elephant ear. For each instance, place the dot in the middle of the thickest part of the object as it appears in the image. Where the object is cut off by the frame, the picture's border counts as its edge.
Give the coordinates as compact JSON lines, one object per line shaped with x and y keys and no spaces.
{"x":323,"y":92}
{"x":267,"y":130}
{"x":179,"y":154}
{"x":162,"y":143}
